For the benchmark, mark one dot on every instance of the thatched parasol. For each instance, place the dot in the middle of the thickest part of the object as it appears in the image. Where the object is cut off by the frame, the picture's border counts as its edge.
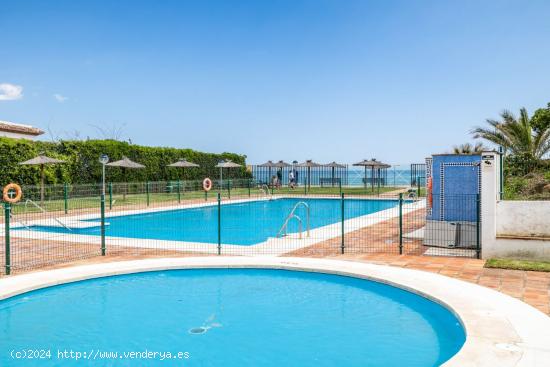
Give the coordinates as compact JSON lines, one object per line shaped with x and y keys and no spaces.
{"x":225,"y":164}
{"x":309,"y":164}
{"x":269,"y":165}
{"x":372,"y":164}
{"x":41,"y":160}
{"x":183,"y":164}
{"x":333,"y":165}
{"x":125,"y":163}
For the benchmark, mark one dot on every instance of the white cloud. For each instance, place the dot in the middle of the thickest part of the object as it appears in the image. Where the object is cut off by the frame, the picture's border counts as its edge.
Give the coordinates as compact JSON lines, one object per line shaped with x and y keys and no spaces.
{"x":59,"y":98}
{"x":10,"y":92}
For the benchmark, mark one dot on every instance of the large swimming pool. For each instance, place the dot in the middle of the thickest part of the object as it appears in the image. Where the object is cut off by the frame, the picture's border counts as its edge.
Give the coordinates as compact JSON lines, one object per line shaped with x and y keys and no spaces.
{"x":228,"y":317}
{"x":243,"y":223}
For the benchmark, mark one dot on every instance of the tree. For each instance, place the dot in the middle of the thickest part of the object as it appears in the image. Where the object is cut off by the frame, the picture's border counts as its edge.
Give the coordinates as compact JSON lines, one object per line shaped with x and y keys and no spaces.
{"x":541,"y":119}
{"x":517,"y":136}
{"x":468,"y":148}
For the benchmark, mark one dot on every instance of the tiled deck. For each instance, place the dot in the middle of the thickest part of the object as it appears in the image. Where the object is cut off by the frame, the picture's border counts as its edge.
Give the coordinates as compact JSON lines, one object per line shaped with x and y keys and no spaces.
{"x":529,"y":286}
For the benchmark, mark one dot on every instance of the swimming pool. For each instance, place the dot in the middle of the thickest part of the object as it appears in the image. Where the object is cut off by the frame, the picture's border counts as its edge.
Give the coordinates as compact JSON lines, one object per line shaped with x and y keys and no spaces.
{"x":243,"y":223}
{"x":233,"y":317}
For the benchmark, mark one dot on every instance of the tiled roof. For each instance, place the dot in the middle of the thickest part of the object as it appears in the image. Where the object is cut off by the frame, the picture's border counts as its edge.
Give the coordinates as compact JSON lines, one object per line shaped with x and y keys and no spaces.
{"x":19,"y":128}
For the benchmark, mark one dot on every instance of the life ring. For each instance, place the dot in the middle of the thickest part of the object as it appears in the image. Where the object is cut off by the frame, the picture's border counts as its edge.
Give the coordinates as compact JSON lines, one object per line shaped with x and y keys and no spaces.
{"x":207,"y":184}
{"x":430,"y":196}
{"x":6,"y":194}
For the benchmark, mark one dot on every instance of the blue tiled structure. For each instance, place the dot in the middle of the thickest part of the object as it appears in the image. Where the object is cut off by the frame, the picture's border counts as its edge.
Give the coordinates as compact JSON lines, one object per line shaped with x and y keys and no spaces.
{"x":456,"y":182}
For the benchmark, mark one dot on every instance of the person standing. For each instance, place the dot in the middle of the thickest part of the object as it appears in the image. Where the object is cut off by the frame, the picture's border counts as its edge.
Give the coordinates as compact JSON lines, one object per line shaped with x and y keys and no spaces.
{"x":291,"y":179}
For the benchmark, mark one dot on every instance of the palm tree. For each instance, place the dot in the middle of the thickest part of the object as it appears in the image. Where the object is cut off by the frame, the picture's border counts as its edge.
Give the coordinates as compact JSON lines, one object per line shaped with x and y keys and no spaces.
{"x":516,"y":136}
{"x":467,"y":148}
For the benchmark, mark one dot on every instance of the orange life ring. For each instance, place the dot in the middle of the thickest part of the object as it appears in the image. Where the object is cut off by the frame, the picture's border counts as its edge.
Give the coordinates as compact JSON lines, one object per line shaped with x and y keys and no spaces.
{"x":6,"y":193}
{"x":207,"y":184}
{"x":430,"y":196}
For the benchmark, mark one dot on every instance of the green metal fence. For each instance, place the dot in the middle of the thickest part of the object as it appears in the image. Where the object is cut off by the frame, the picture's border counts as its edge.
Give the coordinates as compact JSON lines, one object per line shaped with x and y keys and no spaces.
{"x":236,"y":217}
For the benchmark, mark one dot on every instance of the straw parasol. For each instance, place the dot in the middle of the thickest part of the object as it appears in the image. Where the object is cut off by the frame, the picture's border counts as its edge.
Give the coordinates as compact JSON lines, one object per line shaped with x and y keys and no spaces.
{"x":41,"y":160}
{"x":281,"y":165}
{"x":309,"y":164}
{"x":372,"y":164}
{"x":269,"y":165}
{"x":333,"y":165}
{"x":125,"y":163}
{"x":183,"y":164}
{"x":225,"y":164}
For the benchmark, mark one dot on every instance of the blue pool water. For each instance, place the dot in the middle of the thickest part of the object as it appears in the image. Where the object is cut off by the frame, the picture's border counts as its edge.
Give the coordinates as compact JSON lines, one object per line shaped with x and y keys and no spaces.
{"x":245,"y":223}
{"x":250,"y":317}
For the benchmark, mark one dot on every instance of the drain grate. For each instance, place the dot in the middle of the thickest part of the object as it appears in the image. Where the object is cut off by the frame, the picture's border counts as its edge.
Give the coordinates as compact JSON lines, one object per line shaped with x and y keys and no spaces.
{"x":198,"y":330}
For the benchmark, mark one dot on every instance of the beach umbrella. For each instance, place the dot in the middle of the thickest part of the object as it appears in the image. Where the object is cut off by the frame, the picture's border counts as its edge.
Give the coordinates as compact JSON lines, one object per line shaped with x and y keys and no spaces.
{"x":309,"y":164}
{"x":183,"y":164}
{"x":41,"y":160}
{"x":333,"y":165}
{"x":281,"y":165}
{"x":373,"y":164}
{"x":225,"y":164}
{"x":269,"y":165}
{"x":125,"y":163}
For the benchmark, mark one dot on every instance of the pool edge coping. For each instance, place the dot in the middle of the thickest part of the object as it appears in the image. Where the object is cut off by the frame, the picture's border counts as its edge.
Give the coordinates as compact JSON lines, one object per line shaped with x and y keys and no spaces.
{"x":500,"y":330}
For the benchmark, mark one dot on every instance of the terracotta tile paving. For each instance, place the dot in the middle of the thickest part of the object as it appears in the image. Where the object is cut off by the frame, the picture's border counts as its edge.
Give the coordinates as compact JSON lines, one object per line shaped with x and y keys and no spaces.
{"x":528,"y":286}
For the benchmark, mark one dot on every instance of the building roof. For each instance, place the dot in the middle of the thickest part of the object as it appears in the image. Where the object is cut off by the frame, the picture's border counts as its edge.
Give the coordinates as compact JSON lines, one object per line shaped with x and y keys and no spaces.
{"x":19,"y":128}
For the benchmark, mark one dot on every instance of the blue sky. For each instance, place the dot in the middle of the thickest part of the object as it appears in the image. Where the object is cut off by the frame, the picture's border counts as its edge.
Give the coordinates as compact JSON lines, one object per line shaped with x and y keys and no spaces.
{"x":328,"y":80}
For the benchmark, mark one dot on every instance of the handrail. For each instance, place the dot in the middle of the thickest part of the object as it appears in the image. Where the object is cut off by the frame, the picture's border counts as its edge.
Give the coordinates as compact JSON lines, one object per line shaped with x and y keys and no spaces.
{"x":45,"y":212}
{"x":265,"y":189}
{"x":12,"y":217}
{"x":283,"y":229}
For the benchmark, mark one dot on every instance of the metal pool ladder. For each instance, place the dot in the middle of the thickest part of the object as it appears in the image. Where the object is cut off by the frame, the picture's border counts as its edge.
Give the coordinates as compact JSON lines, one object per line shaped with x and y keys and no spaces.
{"x":44,"y":212}
{"x":283,"y":230}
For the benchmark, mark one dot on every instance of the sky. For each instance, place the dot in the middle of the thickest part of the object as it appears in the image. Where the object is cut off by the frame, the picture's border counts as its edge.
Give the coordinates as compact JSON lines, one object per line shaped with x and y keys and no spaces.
{"x":325,"y":80}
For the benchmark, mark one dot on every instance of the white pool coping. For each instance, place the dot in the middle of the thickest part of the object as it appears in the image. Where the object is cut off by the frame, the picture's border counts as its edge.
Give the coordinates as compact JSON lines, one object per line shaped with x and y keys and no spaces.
{"x":500,"y":330}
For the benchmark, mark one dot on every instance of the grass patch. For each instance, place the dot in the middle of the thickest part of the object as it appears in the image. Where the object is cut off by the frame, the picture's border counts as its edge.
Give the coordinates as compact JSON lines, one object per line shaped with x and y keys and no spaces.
{"x":528,"y":265}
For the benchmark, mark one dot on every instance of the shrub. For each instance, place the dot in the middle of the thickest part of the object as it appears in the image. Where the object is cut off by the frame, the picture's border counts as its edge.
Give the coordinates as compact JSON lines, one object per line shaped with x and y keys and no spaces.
{"x":82,"y":165}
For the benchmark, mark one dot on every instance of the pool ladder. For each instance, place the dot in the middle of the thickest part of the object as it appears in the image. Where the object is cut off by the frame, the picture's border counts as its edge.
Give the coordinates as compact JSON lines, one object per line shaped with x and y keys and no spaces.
{"x":29,"y":201}
{"x":265,"y":190}
{"x":283,"y":231}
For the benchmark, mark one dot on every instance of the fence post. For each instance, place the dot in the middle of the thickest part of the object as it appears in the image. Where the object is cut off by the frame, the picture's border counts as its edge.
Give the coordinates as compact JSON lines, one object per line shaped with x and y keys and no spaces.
{"x":229,"y":189}
{"x":401,"y":224}
{"x":205,"y":195}
{"x":478,"y":226}
{"x":7,"y":209}
{"x":501,"y":167}
{"x":418,"y":187}
{"x":66,"y":196}
{"x":342,"y":244}
{"x":249,"y":188}
{"x":179,"y":191}
{"x":219,"y":224}
{"x":147,"y":191}
{"x":110,"y":196}
{"x":102,"y":222}
{"x":340,"y":186}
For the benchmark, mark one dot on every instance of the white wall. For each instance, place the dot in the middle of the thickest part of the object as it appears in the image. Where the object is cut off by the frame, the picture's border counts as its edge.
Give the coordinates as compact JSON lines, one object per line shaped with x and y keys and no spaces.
{"x":513,"y":218}
{"x":523,"y":218}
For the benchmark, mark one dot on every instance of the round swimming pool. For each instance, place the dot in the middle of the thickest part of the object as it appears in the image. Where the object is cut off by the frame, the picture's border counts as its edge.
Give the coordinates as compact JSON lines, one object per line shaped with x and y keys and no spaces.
{"x":227,"y":317}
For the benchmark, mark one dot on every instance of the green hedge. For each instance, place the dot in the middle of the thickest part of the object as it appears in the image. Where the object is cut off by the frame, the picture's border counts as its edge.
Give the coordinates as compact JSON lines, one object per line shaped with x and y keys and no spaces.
{"x":82,"y":162}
